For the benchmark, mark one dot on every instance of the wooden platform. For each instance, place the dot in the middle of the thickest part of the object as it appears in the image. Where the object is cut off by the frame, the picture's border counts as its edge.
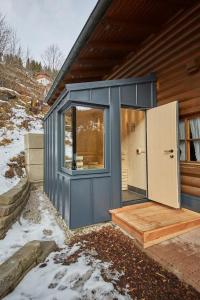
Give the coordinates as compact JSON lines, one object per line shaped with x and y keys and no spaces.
{"x":151,"y":223}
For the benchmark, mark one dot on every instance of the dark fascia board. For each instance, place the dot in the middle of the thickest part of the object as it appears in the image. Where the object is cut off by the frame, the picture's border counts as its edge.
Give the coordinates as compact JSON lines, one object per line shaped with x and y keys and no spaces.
{"x":91,"y":23}
{"x":56,"y":103}
{"x":109,"y":83}
{"x":100,"y":84}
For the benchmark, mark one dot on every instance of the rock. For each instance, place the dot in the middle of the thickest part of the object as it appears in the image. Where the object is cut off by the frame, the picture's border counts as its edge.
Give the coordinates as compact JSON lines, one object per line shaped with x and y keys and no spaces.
{"x":48,"y":232}
{"x":15,"y":268}
{"x":13,"y":194}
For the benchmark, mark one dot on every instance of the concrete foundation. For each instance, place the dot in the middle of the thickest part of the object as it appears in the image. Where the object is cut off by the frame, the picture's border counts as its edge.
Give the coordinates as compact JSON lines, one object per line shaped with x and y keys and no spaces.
{"x":34,"y":141}
{"x":34,"y":156}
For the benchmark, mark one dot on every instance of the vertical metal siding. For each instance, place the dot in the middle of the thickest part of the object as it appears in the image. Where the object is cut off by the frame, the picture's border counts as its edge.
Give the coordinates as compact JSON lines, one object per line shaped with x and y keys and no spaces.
{"x":114,"y":98}
{"x":45,"y":190}
{"x":101,"y":199}
{"x":81,"y":203}
{"x":54,"y":183}
{"x":50,"y":157}
{"x":85,"y":199}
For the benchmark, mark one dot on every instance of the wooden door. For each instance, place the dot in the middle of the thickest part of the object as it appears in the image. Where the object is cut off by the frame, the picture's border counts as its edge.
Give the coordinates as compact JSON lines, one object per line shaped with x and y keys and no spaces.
{"x":163,"y":155}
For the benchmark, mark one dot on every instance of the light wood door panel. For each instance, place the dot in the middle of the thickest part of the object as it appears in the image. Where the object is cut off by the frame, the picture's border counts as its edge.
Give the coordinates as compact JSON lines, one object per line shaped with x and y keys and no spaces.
{"x":163,"y":166}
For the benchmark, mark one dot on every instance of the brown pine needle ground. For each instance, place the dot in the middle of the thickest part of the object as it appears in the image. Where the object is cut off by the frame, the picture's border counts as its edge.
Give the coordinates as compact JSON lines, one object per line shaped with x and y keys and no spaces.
{"x":143,"y":277}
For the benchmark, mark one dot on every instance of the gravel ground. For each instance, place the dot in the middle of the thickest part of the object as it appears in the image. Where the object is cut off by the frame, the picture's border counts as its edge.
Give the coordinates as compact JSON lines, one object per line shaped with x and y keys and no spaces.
{"x":32,"y":214}
{"x":142,"y":277}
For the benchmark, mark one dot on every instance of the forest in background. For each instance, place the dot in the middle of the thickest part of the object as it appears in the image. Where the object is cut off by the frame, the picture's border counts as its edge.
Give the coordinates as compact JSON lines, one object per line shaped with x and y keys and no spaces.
{"x":12,"y":53}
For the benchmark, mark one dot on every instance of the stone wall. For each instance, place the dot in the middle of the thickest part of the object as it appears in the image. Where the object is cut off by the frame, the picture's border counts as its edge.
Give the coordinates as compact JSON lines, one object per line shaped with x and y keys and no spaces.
{"x":13,"y":270}
{"x":11,"y":205}
{"x":34,"y":156}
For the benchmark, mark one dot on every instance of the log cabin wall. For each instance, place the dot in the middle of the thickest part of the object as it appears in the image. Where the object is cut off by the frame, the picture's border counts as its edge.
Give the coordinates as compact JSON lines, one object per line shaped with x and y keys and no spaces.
{"x":174,"y":56}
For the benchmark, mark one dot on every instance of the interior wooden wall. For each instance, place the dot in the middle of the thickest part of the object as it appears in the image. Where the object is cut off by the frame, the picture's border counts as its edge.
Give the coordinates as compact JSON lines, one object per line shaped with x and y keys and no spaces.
{"x":90,"y":140}
{"x":174,"y":56}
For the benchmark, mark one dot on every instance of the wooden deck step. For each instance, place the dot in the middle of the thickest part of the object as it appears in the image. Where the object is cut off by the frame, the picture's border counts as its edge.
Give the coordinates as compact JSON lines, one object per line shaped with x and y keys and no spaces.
{"x":151,"y":223}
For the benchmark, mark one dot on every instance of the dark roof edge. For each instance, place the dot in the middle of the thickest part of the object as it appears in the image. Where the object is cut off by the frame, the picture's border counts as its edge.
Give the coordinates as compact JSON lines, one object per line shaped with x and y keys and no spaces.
{"x":92,"y":21}
{"x":56,"y":103}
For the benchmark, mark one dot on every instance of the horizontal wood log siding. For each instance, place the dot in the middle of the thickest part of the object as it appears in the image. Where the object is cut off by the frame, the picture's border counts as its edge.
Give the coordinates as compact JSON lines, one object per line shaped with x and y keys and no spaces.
{"x":168,"y":54}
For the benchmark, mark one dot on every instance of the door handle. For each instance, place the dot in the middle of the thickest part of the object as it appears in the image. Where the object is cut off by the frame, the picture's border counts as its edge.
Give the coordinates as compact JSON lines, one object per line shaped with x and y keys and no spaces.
{"x":169,"y":151}
{"x":140,"y":151}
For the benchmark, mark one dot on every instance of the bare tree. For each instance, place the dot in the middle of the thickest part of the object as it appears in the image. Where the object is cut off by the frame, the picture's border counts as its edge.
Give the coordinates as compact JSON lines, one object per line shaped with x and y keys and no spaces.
{"x":28,"y":54}
{"x":5,"y":34}
{"x":52,"y":58}
{"x":14,"y":43}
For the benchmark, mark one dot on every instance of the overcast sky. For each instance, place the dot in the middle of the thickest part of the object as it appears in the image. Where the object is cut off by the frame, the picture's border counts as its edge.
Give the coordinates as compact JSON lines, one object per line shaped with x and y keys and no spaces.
{"x":40,"y":23}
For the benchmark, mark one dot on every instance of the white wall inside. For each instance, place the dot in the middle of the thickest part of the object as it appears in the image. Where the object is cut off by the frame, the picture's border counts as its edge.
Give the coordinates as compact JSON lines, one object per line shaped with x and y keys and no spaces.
{"x":133,"y":137}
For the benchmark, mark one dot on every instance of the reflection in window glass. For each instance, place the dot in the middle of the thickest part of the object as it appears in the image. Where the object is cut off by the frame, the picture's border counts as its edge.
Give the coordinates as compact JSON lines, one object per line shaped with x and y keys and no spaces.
{"x":182,"y":150}
{"x":84,"y":138}
{"x":182,"y":147}
{"x":68,"y":139}
{"x":181,"y":130}
{"x":90,"y":138}
{"x":195,"y":139}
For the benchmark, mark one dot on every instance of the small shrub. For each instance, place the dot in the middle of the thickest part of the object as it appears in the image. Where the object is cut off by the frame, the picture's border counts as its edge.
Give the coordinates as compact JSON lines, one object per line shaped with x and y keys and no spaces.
{"x":17,"y":165}
{"x":10,"y":173}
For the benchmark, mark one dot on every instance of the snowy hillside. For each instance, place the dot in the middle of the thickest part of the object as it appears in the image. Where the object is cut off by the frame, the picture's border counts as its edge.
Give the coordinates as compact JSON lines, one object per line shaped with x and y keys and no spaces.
{"x":17,"y":116}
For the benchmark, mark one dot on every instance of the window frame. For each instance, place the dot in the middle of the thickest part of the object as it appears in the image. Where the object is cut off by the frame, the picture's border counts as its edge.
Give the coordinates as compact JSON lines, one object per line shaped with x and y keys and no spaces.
{"x":188,"y":140}
{"x":61,"y":151}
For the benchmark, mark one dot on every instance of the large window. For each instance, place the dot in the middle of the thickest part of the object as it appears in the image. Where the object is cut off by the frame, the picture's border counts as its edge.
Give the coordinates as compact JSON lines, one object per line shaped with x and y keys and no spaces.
{"x":84,"y":138}
{"x":189,"y":135}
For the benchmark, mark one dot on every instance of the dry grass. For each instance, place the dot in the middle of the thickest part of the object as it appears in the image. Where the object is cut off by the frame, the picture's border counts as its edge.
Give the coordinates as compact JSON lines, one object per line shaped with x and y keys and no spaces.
{"x":16,"y":166}
{"x":5,"y":114}
{"x":5,"y":107}
{"x":5,"y":141}
{"x":24,"y":124}
{"x":10,"y":126}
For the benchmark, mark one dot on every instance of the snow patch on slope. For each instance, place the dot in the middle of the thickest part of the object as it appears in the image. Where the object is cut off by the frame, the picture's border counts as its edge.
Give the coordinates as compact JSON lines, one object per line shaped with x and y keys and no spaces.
{"x":16,"y":135}
{"x":26,"y":230}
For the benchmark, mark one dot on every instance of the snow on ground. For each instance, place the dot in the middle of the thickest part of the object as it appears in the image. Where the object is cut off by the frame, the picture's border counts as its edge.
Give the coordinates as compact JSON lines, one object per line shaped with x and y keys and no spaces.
{"x":79,"y":280}
{"x":52,"y":280}
{"x":17,"y":145}
{"x":37,"y":222}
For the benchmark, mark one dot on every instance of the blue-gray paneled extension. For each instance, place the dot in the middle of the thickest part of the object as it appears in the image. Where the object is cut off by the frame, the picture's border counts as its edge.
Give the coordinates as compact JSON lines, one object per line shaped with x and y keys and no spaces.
{"x":83,"y":196}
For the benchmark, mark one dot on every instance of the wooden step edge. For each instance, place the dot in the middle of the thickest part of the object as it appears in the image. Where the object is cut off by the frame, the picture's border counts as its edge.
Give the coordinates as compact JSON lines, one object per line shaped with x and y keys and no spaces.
{"x":128,"y":228}
{"x":173,"y":228}
{"x":132,"y":207}
{"x":167,"y":237}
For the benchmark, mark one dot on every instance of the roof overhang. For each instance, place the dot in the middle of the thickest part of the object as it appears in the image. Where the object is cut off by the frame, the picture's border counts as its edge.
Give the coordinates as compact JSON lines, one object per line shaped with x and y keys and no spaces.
{"x":114,"y":30}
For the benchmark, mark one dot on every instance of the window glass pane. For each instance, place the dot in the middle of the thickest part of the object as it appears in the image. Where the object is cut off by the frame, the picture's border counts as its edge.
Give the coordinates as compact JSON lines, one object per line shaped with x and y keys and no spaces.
{"x":181,"y":130}
{"x":84,"y":138}
{"x":89,"y":138}
{"x":68,"y":139}
{"x":195,"y":150}
{"x":195,"y":128}
{"x":182,"y":150}
{"x":195,"y":134}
